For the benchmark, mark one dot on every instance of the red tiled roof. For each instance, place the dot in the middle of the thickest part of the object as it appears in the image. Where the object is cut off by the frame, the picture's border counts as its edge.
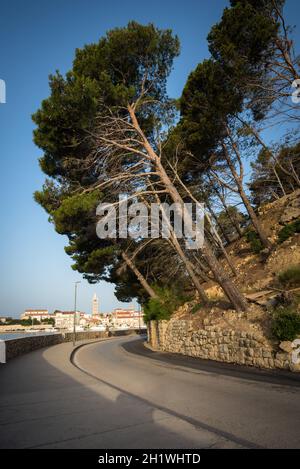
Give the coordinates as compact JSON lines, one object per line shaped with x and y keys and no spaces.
{"x":35,"y":310}
{"x":38,"y":314}
{"x":68,"y":312}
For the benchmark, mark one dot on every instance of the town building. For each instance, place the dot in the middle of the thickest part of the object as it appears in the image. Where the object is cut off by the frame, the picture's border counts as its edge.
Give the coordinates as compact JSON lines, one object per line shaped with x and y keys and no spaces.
{"x":65,"y":319}
{"x":120,"y":318}
{"x":38,"y":314}
{"x":4,"y":319}
{"x":106,"y":319}
{"x":128,"y":318}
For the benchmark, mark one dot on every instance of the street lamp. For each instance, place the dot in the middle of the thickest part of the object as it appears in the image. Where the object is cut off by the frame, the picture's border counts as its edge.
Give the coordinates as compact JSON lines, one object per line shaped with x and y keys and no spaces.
{"x":139,"y":310}
{"x":74,"y":316}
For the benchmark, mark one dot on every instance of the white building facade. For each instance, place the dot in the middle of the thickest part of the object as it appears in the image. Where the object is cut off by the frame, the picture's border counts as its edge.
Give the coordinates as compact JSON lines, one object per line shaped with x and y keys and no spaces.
{"x":38,"y":314}
{"x":128,"y":319}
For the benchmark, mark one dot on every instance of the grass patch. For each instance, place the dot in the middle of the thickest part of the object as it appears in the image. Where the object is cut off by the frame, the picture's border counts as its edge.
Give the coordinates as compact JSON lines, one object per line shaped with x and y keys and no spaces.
{"x":163,"y":307}
{"x":285,"y":324}
{"x":196,"y":308}
{"x":254,"y":241}
{"x":289,"y":230}
{"x":290,"y":277}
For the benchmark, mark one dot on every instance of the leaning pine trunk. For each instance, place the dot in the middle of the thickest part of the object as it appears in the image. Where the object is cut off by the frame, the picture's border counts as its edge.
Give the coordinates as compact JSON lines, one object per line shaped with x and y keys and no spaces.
{"x":236,"y":298}
{"x":229,"y":262}
{"x":188,"y":265}
{"x":233,"y":221}
{"x":233,"y":294}
{"x":223,"y":232}
{"x":264,"y":240}
{"x":190,"y":270}
{"x":139,"y":276}
{"x":238,"y":179}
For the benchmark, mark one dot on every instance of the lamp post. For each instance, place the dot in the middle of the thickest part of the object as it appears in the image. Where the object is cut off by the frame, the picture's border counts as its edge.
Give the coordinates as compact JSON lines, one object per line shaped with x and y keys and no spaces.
{"x":74,"y":316}
{"x":139,"y":318}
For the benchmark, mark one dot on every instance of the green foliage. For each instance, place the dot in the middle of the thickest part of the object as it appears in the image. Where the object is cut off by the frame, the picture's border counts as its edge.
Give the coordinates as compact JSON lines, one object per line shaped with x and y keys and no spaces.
{"x":255,"y":243}
{"x":22,"y":322}
{"x":219,"y":88}
{"x":286,"y":319}
{"x":127,"y":287}
{"x":242,"y":38}
{"x":163,"y":306}
{"x":242,"y":42}
{"x":50,"y":321}
{"x":196,"y":308}
{"x":285,"y":323}
{"x":156,"y":309}
{"x":105,"y":78}
{"x":50,"y":196}
{"x":99,"y":256}
{"x":208,"y":99}
{"x":264,"y":185}
{"x":105,"y":75}
{"x":289,"y":230}
{"x":74,"y":211}
{"x":62,"y":122}
{"x":290,"y":277}
{"x":225,"y":219}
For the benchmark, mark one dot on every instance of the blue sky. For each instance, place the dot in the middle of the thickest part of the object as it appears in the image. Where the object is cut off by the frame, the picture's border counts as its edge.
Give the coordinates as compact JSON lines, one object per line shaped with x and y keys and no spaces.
{"x":37,"y":38}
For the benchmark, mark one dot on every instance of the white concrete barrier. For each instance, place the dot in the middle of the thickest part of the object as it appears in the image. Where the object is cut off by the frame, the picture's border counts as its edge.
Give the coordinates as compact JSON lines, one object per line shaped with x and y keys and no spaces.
{"x":2,"y":351}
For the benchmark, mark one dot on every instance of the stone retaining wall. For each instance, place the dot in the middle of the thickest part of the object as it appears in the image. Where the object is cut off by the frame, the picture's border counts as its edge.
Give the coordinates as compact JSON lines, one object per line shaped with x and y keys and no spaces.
{"x":215,"y":343}
{"x":16,"y":347}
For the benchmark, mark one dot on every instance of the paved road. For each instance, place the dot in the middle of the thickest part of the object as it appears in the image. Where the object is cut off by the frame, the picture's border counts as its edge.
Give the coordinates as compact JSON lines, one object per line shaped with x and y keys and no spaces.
{"x":117,"y":394}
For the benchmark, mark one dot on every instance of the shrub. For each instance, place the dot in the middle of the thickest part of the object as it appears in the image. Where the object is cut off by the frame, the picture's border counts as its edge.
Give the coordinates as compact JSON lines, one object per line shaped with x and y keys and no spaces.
{"x":155,"y":309}
{"x":162,"y":307}
{"x":289,"y":230}
{"x":290,"y":277}
{"x":196,"y":308}
{"x":255,"y":243}
{"x":285,"y":324}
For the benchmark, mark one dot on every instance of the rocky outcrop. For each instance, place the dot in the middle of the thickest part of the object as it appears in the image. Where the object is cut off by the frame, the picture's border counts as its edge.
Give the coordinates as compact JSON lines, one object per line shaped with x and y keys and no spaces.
{"x":292,"y":210}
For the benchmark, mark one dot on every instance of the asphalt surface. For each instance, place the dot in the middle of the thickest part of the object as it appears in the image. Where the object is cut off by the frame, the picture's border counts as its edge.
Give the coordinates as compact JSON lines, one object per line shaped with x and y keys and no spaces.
{"x":118,"y":394}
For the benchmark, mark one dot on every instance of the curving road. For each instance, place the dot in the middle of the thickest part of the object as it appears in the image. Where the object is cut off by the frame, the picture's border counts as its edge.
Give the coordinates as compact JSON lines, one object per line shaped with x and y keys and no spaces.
{"x":118,"y":394}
